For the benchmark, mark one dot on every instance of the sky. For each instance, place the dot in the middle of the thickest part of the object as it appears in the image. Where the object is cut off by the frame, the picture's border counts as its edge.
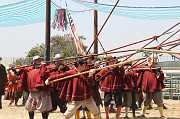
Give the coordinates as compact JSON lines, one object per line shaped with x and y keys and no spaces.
{"x":16,"y":41}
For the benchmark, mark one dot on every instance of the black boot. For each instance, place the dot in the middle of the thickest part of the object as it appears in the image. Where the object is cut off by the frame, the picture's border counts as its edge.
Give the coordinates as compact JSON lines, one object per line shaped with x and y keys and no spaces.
{"x":45,"y":115}
{"x":164,"y":107}
{"x":0,"y":101}
{"x":31,"y":115}
{"x":16,"y":101}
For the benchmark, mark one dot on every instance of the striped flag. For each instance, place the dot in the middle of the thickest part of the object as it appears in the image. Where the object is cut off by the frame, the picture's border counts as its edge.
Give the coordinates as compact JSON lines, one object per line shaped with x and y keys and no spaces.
{"x":76,"y":39}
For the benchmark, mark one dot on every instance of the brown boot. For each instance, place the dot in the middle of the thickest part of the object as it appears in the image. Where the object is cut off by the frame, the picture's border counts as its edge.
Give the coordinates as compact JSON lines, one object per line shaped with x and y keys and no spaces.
{"x":97,"y":117}
{"x":88,"y":113}
{"x":77,"y":115}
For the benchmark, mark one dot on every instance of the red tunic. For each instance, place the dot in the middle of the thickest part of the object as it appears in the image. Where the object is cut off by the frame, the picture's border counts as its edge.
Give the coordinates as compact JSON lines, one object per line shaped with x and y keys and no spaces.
{"x":149,"y":81}
{"x":12,"y":82}
{"x":28,"y":68}
{"x":36,"y":78}
{"x":110,"y":79}
{"x":129,"y":81}
{"x":75,"y":89}
{"x":55,"y":74}
{"x":22,"y":82}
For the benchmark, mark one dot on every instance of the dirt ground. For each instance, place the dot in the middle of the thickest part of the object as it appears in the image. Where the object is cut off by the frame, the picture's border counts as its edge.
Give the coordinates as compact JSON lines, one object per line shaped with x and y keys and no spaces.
{"x":19,"y":112}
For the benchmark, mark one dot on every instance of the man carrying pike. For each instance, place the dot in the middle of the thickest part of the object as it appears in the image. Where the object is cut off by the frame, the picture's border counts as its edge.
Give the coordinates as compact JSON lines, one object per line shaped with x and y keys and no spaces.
{"x":151,"y":82}
{"x":76,"y":91}
{"x":111,"y":84}
{"x":54,"y":69}
{"x":39,"y":94}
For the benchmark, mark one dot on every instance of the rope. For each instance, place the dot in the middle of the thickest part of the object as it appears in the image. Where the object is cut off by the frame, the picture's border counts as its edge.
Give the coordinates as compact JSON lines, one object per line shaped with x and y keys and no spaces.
{"x":153,"y":13}
{"x":131,"y":6}
{"x":59,"y":7}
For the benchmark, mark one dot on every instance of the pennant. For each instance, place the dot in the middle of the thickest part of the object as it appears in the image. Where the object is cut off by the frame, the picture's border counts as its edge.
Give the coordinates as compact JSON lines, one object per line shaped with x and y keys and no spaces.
{"x":76,"y":39}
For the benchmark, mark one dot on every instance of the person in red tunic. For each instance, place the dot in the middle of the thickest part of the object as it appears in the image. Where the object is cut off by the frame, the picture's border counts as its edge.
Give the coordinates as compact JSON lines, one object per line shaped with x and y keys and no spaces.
{"x":76,"y":91}
{"x":24,"y":75}
{"x":12,"y":86}
{"x":111,"y":85}
{"x":151,"y":81}
{"x":22,"y":82}
{"x":129,"y":89}
{"x":39,"y":94}
{"x":94,"y":86}
{"x":56,"y":68}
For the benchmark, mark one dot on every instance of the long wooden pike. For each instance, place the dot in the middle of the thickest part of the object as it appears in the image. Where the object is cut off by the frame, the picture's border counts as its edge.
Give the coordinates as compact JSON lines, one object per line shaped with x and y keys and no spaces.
{"x":173,"y":41}
{"x":86,"y":72}
{"x":160,"y":51}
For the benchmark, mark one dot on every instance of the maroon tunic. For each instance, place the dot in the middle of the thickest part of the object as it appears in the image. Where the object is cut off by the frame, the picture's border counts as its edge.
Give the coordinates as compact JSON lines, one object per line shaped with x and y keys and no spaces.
{"x":149,"y":81}
{"x":110,"y":79}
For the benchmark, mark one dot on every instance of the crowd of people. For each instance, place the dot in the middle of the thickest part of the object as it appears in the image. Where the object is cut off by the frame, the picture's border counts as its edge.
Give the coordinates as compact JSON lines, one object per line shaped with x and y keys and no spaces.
{"x":127,"y":85}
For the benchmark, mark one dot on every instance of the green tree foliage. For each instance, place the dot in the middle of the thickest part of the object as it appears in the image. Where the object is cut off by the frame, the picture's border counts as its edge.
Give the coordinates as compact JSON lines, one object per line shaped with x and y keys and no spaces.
{"x":59,"y":44}
{"x":37,"y":50}
{"x":23,"y":61}
{"x":63,"y":45}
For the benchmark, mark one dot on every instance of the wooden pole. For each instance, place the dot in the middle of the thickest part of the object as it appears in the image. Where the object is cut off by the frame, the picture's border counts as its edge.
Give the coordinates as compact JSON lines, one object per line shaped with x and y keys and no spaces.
{"x":109,"y":66}
{"x":103,"y":25}
{"x":160,"y":51}
{"x":48,"y":30}
{"x":95,"y":30}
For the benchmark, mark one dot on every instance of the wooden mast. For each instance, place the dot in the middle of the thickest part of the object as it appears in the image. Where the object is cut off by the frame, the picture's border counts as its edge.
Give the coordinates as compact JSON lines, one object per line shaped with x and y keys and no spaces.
{"x":95,"y":30}
{"x":48,"y":30}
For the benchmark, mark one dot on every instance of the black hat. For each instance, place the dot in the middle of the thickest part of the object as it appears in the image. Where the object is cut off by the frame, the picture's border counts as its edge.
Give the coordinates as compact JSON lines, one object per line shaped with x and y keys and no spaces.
{"x":80,"y":62}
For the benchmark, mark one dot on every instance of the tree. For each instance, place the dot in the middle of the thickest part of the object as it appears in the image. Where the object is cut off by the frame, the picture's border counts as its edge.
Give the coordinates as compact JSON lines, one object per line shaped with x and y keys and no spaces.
{"x":63,"y":45}
{"x":37,"y":50}
{"x":59,"y":44}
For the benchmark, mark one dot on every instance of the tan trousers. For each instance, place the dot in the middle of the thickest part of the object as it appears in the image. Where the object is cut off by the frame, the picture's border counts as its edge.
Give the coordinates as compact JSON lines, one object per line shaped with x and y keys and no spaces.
{"x":73,"y":106}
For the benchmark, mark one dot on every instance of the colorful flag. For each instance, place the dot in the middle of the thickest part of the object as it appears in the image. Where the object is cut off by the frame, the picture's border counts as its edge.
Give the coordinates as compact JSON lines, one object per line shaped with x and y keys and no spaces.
{"x":76,"y":39}
{"x":60,"y":20}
